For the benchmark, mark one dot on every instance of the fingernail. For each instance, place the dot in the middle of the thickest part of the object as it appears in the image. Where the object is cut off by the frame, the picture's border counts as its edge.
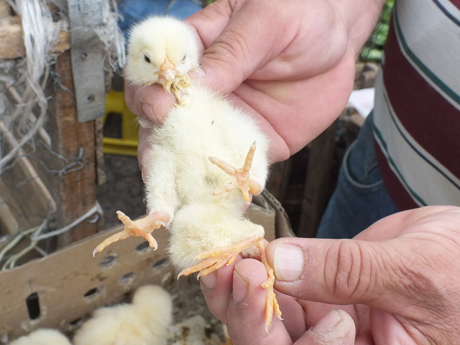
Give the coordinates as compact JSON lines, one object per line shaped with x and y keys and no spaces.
{"x":147,"y":109}
{"x":289,"y":262}
{"x":240,"y":287}
{"x":327,"y":322}
{"x":209,"y":280}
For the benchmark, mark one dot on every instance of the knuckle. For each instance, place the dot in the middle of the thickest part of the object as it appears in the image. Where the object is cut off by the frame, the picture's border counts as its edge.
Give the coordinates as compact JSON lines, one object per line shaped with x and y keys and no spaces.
{"x":348,"y":272}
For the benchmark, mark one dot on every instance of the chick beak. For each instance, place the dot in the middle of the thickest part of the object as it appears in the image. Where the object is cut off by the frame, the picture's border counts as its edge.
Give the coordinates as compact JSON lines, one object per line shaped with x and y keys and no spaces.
{"x":167,"y":71}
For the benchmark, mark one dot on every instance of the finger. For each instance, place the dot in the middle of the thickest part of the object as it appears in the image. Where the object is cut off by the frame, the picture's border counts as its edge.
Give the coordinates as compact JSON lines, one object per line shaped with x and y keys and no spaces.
{"x":238,"y":49}
{"x":211,"y":21}
{"x":389,"y":275}
{"x":381,"y":322}
{"x":217,"y":288}
{"x":245,"y":317}
{"x":336,"y":327}
{"x":142,"y":148}
{"x":149,"y":102}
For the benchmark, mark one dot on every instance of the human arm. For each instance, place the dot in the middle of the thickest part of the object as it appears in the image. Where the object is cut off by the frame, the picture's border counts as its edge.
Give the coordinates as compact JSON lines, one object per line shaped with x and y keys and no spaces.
{"x":398,"y":280}
{"x":290,"y":64}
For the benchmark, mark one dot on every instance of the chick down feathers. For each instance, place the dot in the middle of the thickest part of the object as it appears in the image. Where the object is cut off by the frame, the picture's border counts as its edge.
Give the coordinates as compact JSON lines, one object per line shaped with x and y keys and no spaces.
{"x":144,"y":322}
{"x":42,"y":337}
{"x":155,"y":40}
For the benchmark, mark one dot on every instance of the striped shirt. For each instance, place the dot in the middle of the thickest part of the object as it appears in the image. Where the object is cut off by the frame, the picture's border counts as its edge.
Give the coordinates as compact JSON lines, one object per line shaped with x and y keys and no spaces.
{"x":417,"y":106}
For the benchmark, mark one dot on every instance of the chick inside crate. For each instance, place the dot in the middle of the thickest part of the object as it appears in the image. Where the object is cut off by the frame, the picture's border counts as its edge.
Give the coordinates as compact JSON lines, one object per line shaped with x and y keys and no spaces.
{"x":62,"y":290}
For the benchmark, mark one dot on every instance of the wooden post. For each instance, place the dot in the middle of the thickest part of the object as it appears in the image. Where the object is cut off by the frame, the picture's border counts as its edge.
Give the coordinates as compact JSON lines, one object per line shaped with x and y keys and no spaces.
{"x":319,"y":182}
{"x":75,"y":192}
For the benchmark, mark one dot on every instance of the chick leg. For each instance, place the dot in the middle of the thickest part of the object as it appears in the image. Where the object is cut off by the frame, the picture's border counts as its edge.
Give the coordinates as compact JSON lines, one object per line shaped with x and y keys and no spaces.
{"x":240,"y":176}
{"x":271,"y":303}
{"x":217,"y":258}
{"x":141,"y":227}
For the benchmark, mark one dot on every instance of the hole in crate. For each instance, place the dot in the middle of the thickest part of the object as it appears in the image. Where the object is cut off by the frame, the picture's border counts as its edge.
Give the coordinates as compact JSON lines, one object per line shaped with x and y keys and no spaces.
{"x":108,"y":260}
{"x":143,"y":247}
{"x":33,"y":306}
{"x":160,"y":263}
{"x":92,"y":293}
{"x":74,"y":322}
{"x":127,"y":278}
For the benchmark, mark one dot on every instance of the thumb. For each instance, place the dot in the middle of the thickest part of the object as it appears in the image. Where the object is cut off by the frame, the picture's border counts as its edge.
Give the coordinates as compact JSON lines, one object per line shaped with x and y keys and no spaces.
{"x":393,"y":275}
{"x":234,"y":41}
{"x":337,"y":271}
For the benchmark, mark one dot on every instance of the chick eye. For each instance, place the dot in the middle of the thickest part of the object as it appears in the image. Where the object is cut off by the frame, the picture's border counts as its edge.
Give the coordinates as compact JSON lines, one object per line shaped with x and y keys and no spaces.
{"x":146,"y":59}
{"x":184,"y":58}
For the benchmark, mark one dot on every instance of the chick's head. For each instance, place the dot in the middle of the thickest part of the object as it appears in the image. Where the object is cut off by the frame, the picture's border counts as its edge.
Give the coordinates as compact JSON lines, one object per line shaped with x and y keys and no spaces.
{"x":161,"y":49}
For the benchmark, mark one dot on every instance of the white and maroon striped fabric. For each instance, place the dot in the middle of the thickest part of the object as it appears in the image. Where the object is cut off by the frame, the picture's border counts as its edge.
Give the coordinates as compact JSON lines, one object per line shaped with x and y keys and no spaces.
{"x":417,"y":107}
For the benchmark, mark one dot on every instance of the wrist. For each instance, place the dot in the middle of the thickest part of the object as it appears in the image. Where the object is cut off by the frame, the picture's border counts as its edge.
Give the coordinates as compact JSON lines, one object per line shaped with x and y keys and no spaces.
{"x":360,"y":18}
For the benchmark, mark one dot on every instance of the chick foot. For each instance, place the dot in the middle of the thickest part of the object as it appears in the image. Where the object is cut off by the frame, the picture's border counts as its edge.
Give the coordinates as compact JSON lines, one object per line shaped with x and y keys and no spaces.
{"x":271,"y":303}
{"x":241,"y":178}
{"x":217,"y":258}
{"x":141,"y":227}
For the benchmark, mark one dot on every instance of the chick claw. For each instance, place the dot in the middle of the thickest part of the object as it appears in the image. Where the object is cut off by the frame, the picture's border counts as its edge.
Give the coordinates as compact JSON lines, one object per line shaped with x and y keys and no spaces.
{"x":141,"y":227}
{"x":271,"y":303}
{"x":241,"y":178}
{"x":217,"y":258}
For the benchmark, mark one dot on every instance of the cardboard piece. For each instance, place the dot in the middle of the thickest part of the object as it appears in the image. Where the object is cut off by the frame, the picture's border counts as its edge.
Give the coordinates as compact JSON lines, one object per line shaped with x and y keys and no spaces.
{"x":61,"y":288}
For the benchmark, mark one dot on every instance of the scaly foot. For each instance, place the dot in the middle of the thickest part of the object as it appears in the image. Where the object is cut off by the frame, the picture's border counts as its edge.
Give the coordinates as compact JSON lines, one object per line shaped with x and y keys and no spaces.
{"x":241,"y":178}
{"x":271,"y":303}
{"x":141,"y":227}
{"x":217,"y":258}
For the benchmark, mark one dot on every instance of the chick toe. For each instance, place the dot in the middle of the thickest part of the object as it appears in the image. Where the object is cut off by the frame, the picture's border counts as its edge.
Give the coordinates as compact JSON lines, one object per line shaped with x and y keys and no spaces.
{"x":141,"y":227}
{"x":217,"y":258}
{"x":271,"y":303}
{"x":240,"y":177}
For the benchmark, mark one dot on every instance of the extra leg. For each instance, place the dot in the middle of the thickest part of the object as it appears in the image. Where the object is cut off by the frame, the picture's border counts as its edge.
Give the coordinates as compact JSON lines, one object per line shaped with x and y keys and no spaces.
{"x":141,"y":227}
{"x":217,"y":258}
{"x":241,"y":178}
{"x":271,"y":303}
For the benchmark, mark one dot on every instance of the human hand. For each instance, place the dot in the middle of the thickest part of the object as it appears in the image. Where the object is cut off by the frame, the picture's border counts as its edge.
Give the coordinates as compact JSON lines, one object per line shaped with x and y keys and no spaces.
{"x":398,"y":280}
{"x":290,"y":64}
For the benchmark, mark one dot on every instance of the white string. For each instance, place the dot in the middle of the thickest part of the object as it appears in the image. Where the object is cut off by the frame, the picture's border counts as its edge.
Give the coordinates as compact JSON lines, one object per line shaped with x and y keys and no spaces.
{"x":23,"y":103}
{"x":111,"y":35}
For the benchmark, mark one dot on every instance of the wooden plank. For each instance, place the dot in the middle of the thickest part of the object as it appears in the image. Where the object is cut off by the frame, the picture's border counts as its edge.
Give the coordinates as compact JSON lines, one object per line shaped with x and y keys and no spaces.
{"x":278,"y":179}
{"x":5,"y":11}
{"x":8,"y":218}
{"x":12,"y":44}
{"x":319,"y":182}
{"x":74,"y":191}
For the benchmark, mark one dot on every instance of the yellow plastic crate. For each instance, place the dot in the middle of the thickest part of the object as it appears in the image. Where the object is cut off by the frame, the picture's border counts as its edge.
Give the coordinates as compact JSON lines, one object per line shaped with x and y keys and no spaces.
{"x":127,"y":145}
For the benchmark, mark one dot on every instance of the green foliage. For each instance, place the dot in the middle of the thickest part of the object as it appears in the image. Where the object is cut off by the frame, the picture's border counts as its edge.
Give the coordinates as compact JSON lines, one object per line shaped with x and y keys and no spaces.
{"x":373,"y":49}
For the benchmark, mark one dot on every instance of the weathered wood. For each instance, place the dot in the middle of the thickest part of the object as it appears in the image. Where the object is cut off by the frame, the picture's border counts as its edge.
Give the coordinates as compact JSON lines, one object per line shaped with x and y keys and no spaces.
{"x":319,"y":182}
{"x":4,"y":10}
{"x":279,"y":179}
{"x":75,"y":192}
{"x":101,"y":176}
{"x":8,"y":218}
{"x":12,"y":43}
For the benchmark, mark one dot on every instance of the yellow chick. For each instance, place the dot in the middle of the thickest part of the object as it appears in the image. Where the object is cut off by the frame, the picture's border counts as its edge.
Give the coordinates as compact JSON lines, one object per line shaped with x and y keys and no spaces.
{"x":204,"y":162}
{"x":144,"y":322}
{"x":153,"y":59}
{"x":42,"y":337}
